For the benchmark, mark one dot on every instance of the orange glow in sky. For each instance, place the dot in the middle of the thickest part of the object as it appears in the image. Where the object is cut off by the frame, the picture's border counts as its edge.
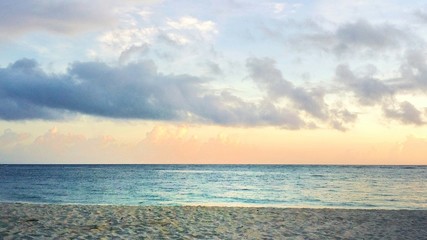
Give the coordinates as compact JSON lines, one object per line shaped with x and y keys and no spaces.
{"x":259,"y":82}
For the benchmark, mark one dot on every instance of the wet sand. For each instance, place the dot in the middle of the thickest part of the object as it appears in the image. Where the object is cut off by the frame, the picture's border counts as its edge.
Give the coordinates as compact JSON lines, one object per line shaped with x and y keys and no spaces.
{"x":34,"y":221}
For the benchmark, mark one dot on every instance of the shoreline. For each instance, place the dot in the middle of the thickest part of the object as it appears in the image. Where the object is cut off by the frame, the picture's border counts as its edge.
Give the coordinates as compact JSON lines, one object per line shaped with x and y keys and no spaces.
{"x":225,"y":205}
{"x":19,"y":220}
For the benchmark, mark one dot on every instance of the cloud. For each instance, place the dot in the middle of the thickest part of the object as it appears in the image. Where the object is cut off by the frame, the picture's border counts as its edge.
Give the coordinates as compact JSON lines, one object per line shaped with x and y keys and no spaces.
{"x":19,"y":109}
{"x":279,"y":7}
{"x":414,"y":70}
{"x":132,"y":91}
{"x":184,"y":31}
{"x":363,"y":34}
{"x":341,"y":118}
{"x":166,"y":143}
{"x":421,"y":15}
{"x":57,"y":147}
{"x":405,"y":113}
{"x":133,"y":53}
{"x":191,"y":23}
{"x":163,"y":144}
{"x":368,"y":89}
{"x":10,"y":137}
{"x":371,"y":90}
{"x":64,"y":17}
{"x":137,"y":90}
{"x":124,"y":39}
{"x":174,"y":39}
{"x":212,"y":68}
{"x":374,"y":10}
{"x":15,"y":107}
{"x":228,"y":109}
{"x":268,"y":78}
{"x":355,"y":37}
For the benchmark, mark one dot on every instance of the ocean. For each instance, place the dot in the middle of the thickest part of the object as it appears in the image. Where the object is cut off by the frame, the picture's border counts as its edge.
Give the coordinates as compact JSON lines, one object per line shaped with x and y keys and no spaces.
{"x":361,"y":187}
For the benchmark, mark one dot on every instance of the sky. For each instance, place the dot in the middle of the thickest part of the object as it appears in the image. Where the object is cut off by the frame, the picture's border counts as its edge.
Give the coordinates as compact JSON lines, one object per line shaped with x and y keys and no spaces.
{"x":207,"y":82}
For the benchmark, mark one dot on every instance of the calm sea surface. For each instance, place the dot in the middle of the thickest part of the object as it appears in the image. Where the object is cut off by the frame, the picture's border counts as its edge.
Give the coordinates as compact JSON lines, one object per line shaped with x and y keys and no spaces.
{"x":384,"y":187}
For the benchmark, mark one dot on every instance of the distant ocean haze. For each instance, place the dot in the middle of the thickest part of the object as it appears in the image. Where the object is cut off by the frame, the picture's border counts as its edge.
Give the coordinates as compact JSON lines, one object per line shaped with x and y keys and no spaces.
{"x":370,"y":187}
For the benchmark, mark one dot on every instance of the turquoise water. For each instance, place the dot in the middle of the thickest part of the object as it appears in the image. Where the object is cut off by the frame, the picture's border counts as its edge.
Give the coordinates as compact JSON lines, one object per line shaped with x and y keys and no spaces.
{"x":379,"y":187}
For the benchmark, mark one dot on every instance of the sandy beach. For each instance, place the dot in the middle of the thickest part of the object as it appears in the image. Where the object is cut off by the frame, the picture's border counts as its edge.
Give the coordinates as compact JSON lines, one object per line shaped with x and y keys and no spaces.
{"x":34,"y":221}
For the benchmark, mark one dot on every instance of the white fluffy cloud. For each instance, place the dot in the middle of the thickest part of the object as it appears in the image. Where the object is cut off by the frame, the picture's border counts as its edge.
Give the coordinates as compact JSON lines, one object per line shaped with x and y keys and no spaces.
{"x":182,"y":31}
{"x":191,"y":23}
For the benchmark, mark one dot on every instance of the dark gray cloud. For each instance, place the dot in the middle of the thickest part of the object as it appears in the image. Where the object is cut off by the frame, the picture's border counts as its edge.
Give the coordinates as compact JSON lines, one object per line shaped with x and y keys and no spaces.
{"x":421,"y":15}
{"x":362,"y":34}
{"x":405,"y":113}
{"x":132,"y":91}
{"x":354,"y":38}
{"x":341,"y":118}
{"x":136,"y":90}
{"x":18,"y":109}
{"x":62,"y":16}
{"x":311,"y":101}
{"x":371,"y":91}
{"x":228,"y":109}
{"x":12,"y":79}
{"x":414,"y":70}
{"x":268,"y":78}
{"x":368,"y":89}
